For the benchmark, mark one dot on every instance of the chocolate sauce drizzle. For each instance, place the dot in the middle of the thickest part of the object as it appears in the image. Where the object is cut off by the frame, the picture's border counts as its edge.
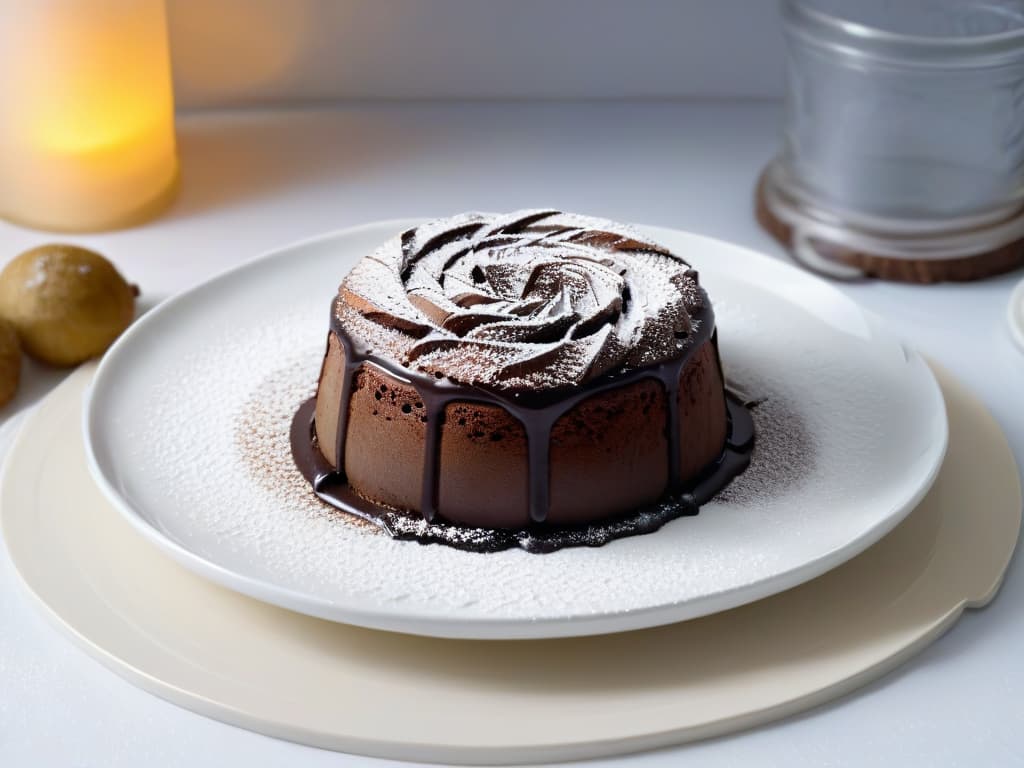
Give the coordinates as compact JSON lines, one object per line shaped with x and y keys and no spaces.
{"x":686,"y":324}
{"x":330,"y":486}
{"x":538,"y":413}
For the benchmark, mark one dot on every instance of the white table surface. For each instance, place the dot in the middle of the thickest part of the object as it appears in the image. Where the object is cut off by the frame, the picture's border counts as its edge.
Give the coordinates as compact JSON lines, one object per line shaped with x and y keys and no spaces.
{"x":255,"y":181}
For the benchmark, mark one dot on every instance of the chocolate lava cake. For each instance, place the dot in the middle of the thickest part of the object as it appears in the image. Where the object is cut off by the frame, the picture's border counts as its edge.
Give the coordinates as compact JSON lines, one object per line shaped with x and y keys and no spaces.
{"x":521,"y":371}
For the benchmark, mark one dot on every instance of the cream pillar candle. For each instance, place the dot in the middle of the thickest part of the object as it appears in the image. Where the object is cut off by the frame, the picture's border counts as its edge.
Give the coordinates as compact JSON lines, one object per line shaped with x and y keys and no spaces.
{"x":86,"y":113}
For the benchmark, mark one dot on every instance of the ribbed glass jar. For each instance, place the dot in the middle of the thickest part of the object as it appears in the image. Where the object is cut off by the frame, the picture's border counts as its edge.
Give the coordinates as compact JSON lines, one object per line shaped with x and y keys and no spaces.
{"x":904,"y":125}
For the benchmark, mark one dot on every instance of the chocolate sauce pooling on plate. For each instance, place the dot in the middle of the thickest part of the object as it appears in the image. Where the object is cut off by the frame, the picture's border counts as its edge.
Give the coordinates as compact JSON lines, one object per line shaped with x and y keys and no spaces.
{"x":537,"y":417}
{"x":330,"y":486}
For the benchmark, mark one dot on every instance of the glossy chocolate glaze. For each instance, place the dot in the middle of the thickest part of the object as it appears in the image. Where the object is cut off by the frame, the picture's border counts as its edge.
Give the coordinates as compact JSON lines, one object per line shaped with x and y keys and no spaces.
{"x":330,"y":486}
{"x":538,"y":413}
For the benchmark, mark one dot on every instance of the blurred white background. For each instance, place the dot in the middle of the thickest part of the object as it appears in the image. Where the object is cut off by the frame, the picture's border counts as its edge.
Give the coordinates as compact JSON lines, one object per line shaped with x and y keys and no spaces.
{"x":271,"y":52}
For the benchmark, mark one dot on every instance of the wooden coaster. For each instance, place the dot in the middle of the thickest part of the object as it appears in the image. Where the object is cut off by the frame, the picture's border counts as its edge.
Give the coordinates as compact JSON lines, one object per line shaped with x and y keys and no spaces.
{"x":872,"y":265}
{"x":399,"y":696}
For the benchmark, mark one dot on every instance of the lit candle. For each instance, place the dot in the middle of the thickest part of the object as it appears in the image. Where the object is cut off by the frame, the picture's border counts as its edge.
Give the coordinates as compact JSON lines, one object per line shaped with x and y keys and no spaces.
{"x":86,"y":113}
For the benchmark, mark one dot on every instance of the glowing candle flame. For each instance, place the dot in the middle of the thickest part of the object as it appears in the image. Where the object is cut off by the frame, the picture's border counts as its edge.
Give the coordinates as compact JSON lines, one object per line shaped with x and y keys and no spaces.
{"x":86,"y":112}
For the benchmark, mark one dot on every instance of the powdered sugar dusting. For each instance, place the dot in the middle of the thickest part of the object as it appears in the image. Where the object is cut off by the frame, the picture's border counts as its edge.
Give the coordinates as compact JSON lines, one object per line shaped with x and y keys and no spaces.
{"x":208,"y":463}
{"x":261,"y":436}
{"x":526,"y":301}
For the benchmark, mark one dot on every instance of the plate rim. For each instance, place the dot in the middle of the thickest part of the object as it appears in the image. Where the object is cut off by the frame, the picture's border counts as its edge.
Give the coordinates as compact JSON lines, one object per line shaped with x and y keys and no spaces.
{"x":412,"y":620}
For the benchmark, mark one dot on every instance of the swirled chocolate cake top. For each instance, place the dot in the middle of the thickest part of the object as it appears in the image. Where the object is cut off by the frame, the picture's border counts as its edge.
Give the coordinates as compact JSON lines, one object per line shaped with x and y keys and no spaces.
{"x":528,"y":301}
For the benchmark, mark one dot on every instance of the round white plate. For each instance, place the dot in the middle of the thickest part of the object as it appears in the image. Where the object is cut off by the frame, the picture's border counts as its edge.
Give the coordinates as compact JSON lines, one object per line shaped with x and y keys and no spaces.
{"x":476,"y":702}
{"x":186,"y":432}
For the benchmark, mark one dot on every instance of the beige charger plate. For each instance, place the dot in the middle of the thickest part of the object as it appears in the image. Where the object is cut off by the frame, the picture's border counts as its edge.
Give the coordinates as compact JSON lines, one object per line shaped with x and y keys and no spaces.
{"x":330,"y":685}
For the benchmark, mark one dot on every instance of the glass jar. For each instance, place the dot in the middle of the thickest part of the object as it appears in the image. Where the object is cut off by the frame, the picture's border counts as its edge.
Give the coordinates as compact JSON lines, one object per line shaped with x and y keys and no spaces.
{"x":903,"y":137}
